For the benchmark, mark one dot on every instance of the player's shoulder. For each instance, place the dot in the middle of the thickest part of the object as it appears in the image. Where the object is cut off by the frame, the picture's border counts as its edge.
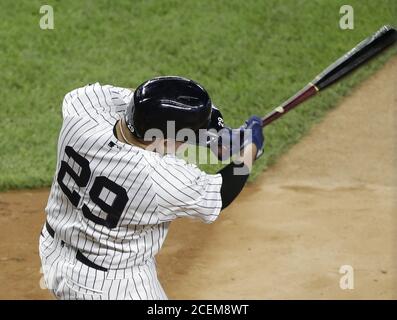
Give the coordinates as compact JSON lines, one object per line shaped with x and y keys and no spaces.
{"x":94,"y":100}
{"x":98,"y":88}
{"x":90,"y":88}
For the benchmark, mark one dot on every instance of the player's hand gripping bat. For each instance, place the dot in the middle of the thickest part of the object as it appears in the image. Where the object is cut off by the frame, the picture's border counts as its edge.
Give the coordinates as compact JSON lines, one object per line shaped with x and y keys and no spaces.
{"x":359,"y":55}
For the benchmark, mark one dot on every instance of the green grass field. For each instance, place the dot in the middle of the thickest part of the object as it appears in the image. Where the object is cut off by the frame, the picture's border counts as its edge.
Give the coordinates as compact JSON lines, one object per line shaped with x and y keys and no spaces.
{"x":249,"y":54}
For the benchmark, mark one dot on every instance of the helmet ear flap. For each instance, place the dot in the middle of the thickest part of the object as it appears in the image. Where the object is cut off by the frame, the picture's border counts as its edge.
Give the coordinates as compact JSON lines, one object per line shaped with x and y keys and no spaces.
{"x":216,"y":120}
{"x":215,"y":124}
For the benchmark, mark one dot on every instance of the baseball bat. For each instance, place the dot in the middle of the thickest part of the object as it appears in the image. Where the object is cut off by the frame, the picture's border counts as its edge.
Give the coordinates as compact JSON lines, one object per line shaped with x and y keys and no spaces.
{"x":359,"y":55}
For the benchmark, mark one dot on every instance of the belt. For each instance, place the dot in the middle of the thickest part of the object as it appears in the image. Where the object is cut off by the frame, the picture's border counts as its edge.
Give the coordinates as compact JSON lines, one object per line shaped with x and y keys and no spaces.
{"x":79,"y":256}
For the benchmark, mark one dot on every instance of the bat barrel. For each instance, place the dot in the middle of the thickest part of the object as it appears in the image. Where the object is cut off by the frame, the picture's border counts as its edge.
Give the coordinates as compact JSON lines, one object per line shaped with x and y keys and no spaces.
{"x":364,"y":51}
{"x":360,"y":54}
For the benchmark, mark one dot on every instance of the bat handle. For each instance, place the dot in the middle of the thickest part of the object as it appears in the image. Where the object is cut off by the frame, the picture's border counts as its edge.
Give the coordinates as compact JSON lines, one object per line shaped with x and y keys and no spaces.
{"x":305,"y":93}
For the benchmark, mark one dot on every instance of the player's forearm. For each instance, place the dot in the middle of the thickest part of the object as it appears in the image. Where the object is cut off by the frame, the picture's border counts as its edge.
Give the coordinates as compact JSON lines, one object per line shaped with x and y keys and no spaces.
{"x":235,"y":175}
{"x":248,"y":155}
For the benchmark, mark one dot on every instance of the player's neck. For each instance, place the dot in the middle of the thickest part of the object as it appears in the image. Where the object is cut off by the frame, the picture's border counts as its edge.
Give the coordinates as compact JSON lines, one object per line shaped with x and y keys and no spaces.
{"x":163,"y":147}
{"x":124,"y":135}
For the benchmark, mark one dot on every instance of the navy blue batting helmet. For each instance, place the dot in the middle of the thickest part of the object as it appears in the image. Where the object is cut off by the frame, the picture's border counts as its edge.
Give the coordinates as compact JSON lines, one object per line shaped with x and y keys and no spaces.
{"x":171,"y":98}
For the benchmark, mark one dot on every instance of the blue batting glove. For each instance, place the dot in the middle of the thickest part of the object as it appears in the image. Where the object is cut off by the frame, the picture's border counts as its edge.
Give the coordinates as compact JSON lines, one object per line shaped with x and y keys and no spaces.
{"x":254,"y":134}
{"x":230,"y":142}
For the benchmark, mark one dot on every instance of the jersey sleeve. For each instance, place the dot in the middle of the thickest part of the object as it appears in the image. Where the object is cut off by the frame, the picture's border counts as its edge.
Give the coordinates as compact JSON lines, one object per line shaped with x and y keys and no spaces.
{"x":96,"y":100}
{"x":183,"y":190}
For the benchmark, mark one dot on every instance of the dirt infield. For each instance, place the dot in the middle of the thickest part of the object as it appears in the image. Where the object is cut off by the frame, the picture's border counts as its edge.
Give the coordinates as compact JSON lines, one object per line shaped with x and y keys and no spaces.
{"x":328,"y":202}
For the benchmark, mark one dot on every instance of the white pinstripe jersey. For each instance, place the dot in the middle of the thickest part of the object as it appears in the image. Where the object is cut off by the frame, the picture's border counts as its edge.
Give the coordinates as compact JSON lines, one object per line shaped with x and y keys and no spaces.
{"x":113,"y":201}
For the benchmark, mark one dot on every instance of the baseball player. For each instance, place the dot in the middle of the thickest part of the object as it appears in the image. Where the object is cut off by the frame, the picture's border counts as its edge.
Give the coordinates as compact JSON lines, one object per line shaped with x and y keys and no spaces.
{"x":117,"y":187}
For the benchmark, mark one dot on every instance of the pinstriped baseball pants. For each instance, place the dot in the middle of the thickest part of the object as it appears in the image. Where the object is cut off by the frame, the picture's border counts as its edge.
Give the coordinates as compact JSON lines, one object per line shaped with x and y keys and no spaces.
{"x":69,"y":279}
